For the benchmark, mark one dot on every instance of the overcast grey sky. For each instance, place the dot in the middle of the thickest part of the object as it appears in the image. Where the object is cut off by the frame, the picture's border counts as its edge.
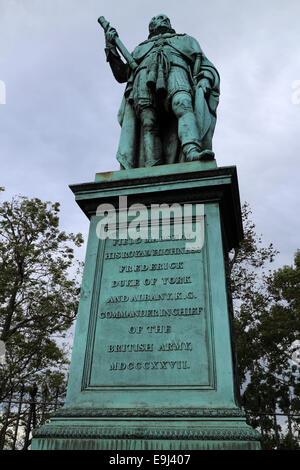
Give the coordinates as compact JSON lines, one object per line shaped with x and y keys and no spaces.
{"x":59,"y":124}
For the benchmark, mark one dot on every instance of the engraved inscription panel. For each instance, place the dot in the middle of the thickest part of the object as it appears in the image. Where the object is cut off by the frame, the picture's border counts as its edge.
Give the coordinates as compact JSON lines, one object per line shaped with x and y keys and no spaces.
{"x":152,"y":325}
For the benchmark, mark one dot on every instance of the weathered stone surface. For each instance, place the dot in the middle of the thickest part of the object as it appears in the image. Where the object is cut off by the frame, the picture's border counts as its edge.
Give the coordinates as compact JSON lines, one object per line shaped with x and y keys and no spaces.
{"x":153,"y":363}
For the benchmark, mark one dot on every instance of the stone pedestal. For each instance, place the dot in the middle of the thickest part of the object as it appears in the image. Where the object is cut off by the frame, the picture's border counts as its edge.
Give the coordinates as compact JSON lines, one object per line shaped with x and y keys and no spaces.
{"x":153,"y":364}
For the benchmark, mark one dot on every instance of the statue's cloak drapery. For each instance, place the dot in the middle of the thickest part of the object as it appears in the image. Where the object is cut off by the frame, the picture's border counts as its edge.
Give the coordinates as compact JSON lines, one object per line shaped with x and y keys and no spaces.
{"x":130,"y":151}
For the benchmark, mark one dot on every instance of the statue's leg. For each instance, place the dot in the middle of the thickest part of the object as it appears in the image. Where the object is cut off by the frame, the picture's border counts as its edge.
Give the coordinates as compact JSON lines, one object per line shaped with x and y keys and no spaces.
{"x":188,"y":131}
{"x":152,"y":141}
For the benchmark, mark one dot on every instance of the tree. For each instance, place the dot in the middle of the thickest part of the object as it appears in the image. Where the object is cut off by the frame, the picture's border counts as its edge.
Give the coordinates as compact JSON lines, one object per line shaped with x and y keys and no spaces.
{"x":266,"y":306}
{"x":39,"y":293}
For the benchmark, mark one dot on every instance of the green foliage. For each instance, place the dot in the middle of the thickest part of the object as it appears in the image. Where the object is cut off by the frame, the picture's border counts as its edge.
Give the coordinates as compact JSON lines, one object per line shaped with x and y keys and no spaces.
{"x":267,"y":324}
{"x":39,"y":292}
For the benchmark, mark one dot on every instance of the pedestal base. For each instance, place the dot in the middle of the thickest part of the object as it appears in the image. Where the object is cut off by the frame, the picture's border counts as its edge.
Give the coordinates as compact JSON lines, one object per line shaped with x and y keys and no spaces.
{"x":153,"y":364}
{"x":160,"y":434}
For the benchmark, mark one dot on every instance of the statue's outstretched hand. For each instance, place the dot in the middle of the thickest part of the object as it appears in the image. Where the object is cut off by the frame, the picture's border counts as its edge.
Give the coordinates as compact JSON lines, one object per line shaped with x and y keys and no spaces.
{"x":204,"y":83}
{"x":110,"y":36}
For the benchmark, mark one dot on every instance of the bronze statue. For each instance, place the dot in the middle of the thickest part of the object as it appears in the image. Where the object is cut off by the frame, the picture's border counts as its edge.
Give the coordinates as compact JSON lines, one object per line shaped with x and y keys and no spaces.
{"x":168,"y":112}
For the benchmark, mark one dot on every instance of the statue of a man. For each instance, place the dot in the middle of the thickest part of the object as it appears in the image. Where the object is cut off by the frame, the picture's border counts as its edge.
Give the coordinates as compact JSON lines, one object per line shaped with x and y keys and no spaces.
{"x":168,"y":113}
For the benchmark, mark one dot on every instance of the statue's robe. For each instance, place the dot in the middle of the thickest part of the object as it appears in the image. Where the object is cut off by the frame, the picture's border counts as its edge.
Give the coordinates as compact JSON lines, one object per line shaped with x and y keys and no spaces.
{"x":130,"y":152}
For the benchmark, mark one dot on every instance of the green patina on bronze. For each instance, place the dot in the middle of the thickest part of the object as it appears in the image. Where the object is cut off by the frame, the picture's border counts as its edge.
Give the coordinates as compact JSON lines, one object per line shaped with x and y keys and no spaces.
{"x":153,"y":358}
{"x":153,"y":363}
{"x":168,"y":113}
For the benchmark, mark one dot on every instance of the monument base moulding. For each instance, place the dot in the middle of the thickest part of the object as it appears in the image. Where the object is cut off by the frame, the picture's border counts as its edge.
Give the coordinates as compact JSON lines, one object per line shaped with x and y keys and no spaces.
{"x":153,"y":363}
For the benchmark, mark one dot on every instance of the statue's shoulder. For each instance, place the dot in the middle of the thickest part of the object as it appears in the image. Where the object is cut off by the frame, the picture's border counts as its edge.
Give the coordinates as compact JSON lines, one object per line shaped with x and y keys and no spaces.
{"x":187,"y":44}
{"x":160,"y":36}
{"x":183,"y":42}
{"x":181,"y":38}
{"x":144,"y":47}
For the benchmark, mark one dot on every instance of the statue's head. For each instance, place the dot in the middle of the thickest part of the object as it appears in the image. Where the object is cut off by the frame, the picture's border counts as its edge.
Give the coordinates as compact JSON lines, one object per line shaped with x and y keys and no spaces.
{"x":160,"y":24}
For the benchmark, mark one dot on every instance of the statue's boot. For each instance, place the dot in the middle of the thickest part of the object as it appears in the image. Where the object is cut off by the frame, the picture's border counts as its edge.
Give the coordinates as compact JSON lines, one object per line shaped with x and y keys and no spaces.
{"x":193,"y":153}
{"x":189,"y":137}
{"x":207,"y":155}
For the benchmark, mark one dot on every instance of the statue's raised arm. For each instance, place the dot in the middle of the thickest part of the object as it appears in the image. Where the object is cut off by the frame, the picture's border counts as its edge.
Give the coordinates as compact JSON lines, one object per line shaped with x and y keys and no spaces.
{"x":112,"y":40}
{"x":168,"y":113}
